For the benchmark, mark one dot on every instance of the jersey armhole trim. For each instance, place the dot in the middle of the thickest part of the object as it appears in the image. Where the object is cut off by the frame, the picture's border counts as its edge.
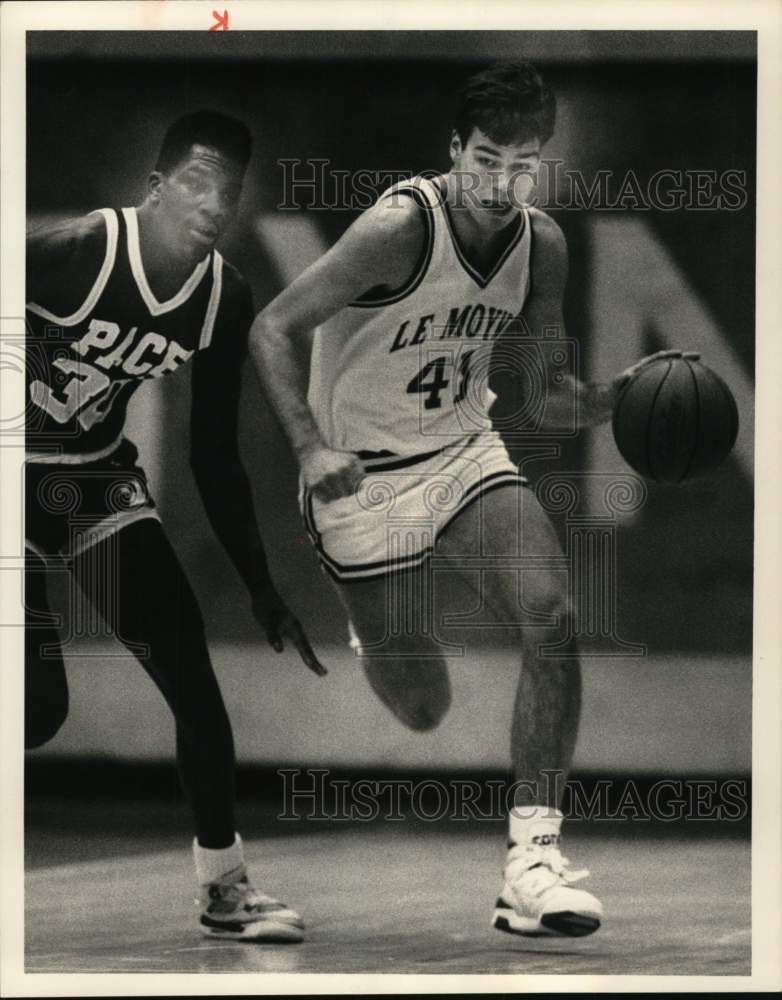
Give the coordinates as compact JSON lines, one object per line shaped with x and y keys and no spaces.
{"x":370,"y":301}
{"x":214,"y":302}
{"x":112,"y":230}
{"x":529,"y":259}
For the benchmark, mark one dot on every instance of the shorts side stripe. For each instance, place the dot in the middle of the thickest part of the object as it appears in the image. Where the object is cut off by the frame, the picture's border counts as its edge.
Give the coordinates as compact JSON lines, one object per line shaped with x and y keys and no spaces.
{"x":71,"y":458}
{"x":377,"y":570}
{"x":115,"y":522}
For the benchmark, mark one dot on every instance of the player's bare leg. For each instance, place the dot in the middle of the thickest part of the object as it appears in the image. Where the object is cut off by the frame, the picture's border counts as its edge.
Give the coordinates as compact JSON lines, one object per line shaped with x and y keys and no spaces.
{"x":408,"y":672}
{"x":509,"y":523}
{"x":537,"y":897}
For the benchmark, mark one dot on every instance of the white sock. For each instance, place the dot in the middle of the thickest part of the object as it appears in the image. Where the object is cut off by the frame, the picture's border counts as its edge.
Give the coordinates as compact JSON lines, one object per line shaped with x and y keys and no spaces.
{"x":534,"y":824}
{"x":224,"y":864}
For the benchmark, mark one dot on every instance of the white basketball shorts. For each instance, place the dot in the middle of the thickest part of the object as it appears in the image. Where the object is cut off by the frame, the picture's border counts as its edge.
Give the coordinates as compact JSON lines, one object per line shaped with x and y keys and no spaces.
{"x":402,"y":505}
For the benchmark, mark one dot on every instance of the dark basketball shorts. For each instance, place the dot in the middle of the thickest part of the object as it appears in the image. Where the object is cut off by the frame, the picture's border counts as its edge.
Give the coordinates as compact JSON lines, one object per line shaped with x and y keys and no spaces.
{"x":70,"y":507}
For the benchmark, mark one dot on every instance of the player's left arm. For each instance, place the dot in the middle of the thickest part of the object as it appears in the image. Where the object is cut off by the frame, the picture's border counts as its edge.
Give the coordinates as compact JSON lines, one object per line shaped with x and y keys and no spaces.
{"x":592,"y":402}
{"x":220,"y":475}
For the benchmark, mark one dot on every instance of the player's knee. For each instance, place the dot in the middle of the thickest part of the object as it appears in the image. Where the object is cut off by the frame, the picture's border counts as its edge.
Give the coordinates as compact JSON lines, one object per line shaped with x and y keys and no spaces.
{"x":418,"y":703}
{"x":424,"y":711}
{"x":45,"y":688}
{"x":424,"y":717}
{"x":413,"y":684}
{"x":38,"y":731}
{"x":551,"y":597}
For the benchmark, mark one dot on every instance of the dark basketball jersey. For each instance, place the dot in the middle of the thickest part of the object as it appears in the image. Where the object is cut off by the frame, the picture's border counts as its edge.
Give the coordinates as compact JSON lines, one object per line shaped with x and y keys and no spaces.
{"x":82,"y":369}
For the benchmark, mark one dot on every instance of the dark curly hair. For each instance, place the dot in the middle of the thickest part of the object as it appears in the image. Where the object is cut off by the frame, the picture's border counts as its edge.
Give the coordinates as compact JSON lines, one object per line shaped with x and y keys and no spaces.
{"x":207,"y":128}
{"x":509,"y":102}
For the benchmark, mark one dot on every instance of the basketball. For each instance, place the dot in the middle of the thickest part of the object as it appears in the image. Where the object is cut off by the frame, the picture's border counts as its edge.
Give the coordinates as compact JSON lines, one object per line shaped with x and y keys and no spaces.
{"x":675,"y":419}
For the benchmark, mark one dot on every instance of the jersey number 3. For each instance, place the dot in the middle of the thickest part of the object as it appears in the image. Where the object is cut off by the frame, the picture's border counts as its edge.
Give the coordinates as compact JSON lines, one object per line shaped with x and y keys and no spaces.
{"x":432,"y":380}
{"x":89,"y":393}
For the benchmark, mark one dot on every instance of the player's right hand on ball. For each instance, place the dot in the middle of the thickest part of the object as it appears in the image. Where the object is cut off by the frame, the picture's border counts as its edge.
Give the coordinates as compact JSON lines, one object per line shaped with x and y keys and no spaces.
{"x":330,"y":474}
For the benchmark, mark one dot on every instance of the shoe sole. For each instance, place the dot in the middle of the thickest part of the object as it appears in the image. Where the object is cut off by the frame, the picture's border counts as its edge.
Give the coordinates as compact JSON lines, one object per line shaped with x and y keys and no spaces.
{"x":560,"y":924}
{"x":265,"y":931}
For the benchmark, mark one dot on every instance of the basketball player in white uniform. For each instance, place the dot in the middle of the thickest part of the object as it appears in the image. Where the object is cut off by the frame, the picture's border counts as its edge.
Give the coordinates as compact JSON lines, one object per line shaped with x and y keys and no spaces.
{"x":398,"y":458}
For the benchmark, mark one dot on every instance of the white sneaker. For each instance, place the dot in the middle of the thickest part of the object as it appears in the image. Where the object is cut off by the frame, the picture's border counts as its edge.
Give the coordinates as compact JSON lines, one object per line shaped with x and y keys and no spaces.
{"x":236,"y":911}
{"x":538,"y":898}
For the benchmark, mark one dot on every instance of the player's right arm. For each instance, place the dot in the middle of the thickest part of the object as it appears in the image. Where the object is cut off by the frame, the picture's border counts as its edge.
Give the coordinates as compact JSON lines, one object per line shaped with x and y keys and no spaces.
{"x":380,"y":248}
{"x":62,"y":262}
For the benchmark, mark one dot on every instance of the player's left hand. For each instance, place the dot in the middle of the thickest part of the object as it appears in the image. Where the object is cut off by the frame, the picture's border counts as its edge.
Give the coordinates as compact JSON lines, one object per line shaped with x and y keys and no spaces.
{"x":279,"y":623}
{"x":624,"y":377}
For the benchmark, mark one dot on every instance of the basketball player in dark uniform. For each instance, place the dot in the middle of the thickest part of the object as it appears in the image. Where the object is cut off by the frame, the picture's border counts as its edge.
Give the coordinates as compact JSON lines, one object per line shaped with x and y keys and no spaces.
{"x":114,"y":298}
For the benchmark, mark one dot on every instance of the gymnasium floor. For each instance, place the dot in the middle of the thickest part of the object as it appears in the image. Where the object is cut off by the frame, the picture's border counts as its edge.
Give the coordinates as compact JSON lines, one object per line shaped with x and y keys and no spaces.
{"x":110,"y":884}
{"x":383,"y":898}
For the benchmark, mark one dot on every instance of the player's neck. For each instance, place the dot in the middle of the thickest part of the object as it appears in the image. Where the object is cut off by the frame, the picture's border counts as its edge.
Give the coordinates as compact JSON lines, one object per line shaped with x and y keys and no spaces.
{"x":166,"y":265}
{"x":477,"y":240}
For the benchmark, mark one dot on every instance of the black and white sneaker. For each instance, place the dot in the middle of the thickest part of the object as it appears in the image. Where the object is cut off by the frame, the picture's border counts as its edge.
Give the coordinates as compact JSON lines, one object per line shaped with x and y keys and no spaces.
{"x":236,"y":911}
{"x":538,"y":898}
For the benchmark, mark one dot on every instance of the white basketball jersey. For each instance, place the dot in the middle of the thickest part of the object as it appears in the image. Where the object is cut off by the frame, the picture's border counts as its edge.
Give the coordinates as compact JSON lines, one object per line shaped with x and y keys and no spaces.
{"x":406,"y":372}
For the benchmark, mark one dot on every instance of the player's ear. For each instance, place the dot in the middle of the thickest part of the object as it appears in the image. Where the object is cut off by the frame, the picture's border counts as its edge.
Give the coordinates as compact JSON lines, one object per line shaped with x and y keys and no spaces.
{"x":455,"y":147}
{"x":154,"y":183}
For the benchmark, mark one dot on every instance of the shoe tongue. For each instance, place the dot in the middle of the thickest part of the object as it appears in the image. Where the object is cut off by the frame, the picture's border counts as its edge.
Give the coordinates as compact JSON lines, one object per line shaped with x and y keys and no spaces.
{"x":530,"y":863}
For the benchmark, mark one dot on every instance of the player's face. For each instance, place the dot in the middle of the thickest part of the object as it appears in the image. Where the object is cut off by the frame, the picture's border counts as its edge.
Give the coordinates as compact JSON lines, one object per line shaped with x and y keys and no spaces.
{"x":494,"y":181}
{"x":198,"y":198}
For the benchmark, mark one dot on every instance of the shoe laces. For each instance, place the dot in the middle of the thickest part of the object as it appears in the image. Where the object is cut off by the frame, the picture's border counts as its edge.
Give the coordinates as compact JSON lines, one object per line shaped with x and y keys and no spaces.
{"x":242,"y":893}
{"x":523,"y":857}
{"x":255,"y":898}
{"x":252,"y":896}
